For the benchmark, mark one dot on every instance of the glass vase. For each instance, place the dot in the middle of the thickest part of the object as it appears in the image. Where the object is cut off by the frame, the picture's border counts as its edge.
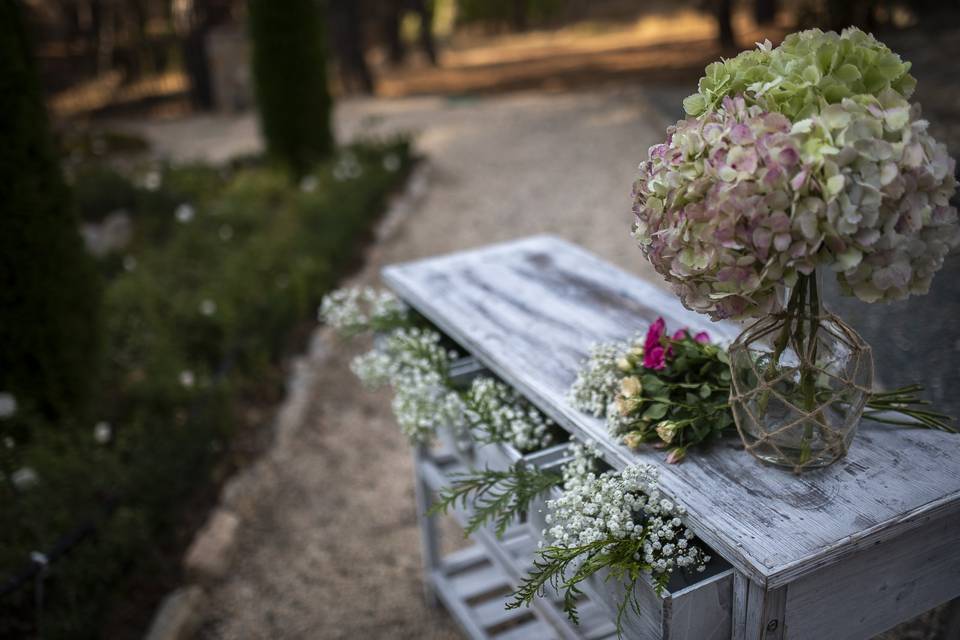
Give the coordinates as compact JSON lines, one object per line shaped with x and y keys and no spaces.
{"x":801,"y":378}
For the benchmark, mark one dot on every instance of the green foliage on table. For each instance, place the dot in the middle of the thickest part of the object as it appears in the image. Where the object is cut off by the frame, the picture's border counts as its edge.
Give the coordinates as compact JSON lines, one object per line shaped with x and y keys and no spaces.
{"x":289,"y":71}
{"x":200,"y":312}
{"x":49,"y":301}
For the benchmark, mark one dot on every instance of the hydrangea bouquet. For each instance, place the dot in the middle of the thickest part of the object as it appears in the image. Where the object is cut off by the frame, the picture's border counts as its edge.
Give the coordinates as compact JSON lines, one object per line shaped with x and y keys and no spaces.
{"x":794,"y":160}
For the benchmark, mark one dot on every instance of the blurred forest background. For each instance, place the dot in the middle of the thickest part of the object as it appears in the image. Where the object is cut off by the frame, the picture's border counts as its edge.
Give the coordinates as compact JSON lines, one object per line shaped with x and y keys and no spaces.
{"x":151,"y":307}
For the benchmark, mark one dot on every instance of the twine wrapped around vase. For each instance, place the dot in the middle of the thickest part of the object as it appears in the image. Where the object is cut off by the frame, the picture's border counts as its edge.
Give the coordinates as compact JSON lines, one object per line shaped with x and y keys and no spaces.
{"x":800,"y":380}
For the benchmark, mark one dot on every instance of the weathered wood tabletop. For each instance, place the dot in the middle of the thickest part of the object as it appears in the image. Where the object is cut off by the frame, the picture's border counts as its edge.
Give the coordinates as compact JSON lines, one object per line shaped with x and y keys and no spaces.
{"x":530,"y":310}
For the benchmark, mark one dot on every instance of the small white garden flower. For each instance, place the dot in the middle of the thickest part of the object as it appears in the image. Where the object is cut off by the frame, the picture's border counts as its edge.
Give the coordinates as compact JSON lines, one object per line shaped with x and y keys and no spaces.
{"x":102,"y":432}
{"x":24,"y":478}
{"x":208,"y":307}
{"x":184,"y":213}
{"x":152,"y":180}
{"x":187,"y":379}
{"x":391,"y":162}
{"x":8,"y":405}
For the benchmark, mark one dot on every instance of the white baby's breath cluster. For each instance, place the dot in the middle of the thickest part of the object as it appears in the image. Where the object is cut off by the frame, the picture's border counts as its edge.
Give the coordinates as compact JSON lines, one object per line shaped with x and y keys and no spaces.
{"x":598,"y":378}
{"x":624,"y":505}
{"x":414,"y":363}
{"x":499,"y":412}
{"x":422,"y":403}
{"x":582,"y":467}
{"x":359,"y":309}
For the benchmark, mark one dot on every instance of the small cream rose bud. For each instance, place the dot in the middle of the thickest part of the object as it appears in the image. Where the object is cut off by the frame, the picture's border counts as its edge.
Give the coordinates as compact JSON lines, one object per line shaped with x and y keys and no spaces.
{"x":666,"y":430}
{"x":633,"y":439}
{"x":624,"y":364}
{"x":636,"y":352}
{"x":676,"y":455}
{"x":631,"y":387}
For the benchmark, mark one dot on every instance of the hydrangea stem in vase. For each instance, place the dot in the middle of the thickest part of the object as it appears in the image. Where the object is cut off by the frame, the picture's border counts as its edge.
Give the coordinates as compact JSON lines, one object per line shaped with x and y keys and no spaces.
{"x":801,"y":380}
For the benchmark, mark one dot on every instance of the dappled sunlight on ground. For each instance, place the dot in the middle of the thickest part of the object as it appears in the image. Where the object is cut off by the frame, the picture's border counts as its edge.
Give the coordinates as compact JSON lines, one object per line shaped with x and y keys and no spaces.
{"x":658,"y":48}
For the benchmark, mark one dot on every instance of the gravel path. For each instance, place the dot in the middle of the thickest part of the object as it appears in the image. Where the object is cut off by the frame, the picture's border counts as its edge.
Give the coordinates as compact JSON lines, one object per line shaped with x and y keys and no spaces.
{"x":329,"y":545}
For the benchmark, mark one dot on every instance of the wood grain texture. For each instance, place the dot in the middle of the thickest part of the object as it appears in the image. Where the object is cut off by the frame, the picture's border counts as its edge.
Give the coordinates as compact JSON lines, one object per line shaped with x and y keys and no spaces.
{"x":764,"y":617}
{"x":530,"y":309}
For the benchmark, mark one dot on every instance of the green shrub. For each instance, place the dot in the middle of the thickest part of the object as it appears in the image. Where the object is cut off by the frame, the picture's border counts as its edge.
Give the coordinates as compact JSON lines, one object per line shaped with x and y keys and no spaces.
{"x":49,"y":300}
{"x":289,"y":70}
{"x":195,"y":327}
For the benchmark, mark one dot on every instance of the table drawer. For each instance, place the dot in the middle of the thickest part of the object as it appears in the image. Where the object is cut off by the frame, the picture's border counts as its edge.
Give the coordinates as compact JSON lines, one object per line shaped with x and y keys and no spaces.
{"x":694,"y":606}
{"x":500,"y":456}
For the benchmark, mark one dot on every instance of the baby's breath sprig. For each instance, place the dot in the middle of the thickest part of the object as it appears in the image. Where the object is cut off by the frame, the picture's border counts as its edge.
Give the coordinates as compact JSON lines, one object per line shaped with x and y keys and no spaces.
{"x":413,"y":361}
{"x":616,"y":522}
{"x":497,"y":413}
{"x":357,"y":310}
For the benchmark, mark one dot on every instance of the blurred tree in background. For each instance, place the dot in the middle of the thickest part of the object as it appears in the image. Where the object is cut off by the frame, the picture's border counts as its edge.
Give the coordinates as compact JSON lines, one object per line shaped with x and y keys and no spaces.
{"x":50,"y":299}
{"x":518,"y":15}
{"x":289,"y":69}
{"x":347,"y":35}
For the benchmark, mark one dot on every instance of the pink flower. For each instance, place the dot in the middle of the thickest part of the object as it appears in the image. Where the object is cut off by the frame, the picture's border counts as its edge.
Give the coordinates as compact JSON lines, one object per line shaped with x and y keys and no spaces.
{"x":680,"y":334}
{"x":655,"y":358}
{"x":703,"y":337}
{"x":654,"y":334}
{"x":654,"y":355}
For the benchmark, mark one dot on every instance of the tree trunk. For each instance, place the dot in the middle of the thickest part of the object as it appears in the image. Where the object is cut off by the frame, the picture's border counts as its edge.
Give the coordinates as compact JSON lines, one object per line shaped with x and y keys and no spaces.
{"x":194,"y":21}
{"x":390,"y":25}
{"x":425,"y":11}
{"x":724,"y":24}
{"x":348,"y":45}
{"x":765,"y":11}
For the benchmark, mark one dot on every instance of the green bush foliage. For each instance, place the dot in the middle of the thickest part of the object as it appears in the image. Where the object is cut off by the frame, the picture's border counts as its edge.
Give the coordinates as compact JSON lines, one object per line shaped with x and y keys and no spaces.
{"x":49,"y":299}
{"x":289,"y":70}
{"x":200,"y":310}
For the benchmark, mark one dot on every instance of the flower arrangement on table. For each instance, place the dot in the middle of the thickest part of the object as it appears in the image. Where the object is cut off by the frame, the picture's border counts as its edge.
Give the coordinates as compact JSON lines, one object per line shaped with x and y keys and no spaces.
{"x":673,"y":392}
{"x":796,"y":159}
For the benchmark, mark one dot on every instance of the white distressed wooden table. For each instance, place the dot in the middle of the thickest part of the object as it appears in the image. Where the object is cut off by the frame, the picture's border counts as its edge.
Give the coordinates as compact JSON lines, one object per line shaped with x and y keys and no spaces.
{"x":844,"y":552}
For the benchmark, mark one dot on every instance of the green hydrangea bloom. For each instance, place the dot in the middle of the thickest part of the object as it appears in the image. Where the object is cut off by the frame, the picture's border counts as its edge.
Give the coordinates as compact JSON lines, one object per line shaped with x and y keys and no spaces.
{"x":807,"y":69}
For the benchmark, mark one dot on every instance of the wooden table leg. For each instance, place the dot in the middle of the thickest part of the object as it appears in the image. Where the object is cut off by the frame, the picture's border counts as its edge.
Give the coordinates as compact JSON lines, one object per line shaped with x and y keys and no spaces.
{"x":758,"y":614}
{"x":429,"y":535}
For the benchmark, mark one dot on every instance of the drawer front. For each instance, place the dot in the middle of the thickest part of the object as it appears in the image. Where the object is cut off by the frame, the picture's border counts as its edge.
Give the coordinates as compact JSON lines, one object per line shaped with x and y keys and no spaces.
{"x":500,"y":456}
{"x":700,"y":611}
{"x":495,"y":456}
